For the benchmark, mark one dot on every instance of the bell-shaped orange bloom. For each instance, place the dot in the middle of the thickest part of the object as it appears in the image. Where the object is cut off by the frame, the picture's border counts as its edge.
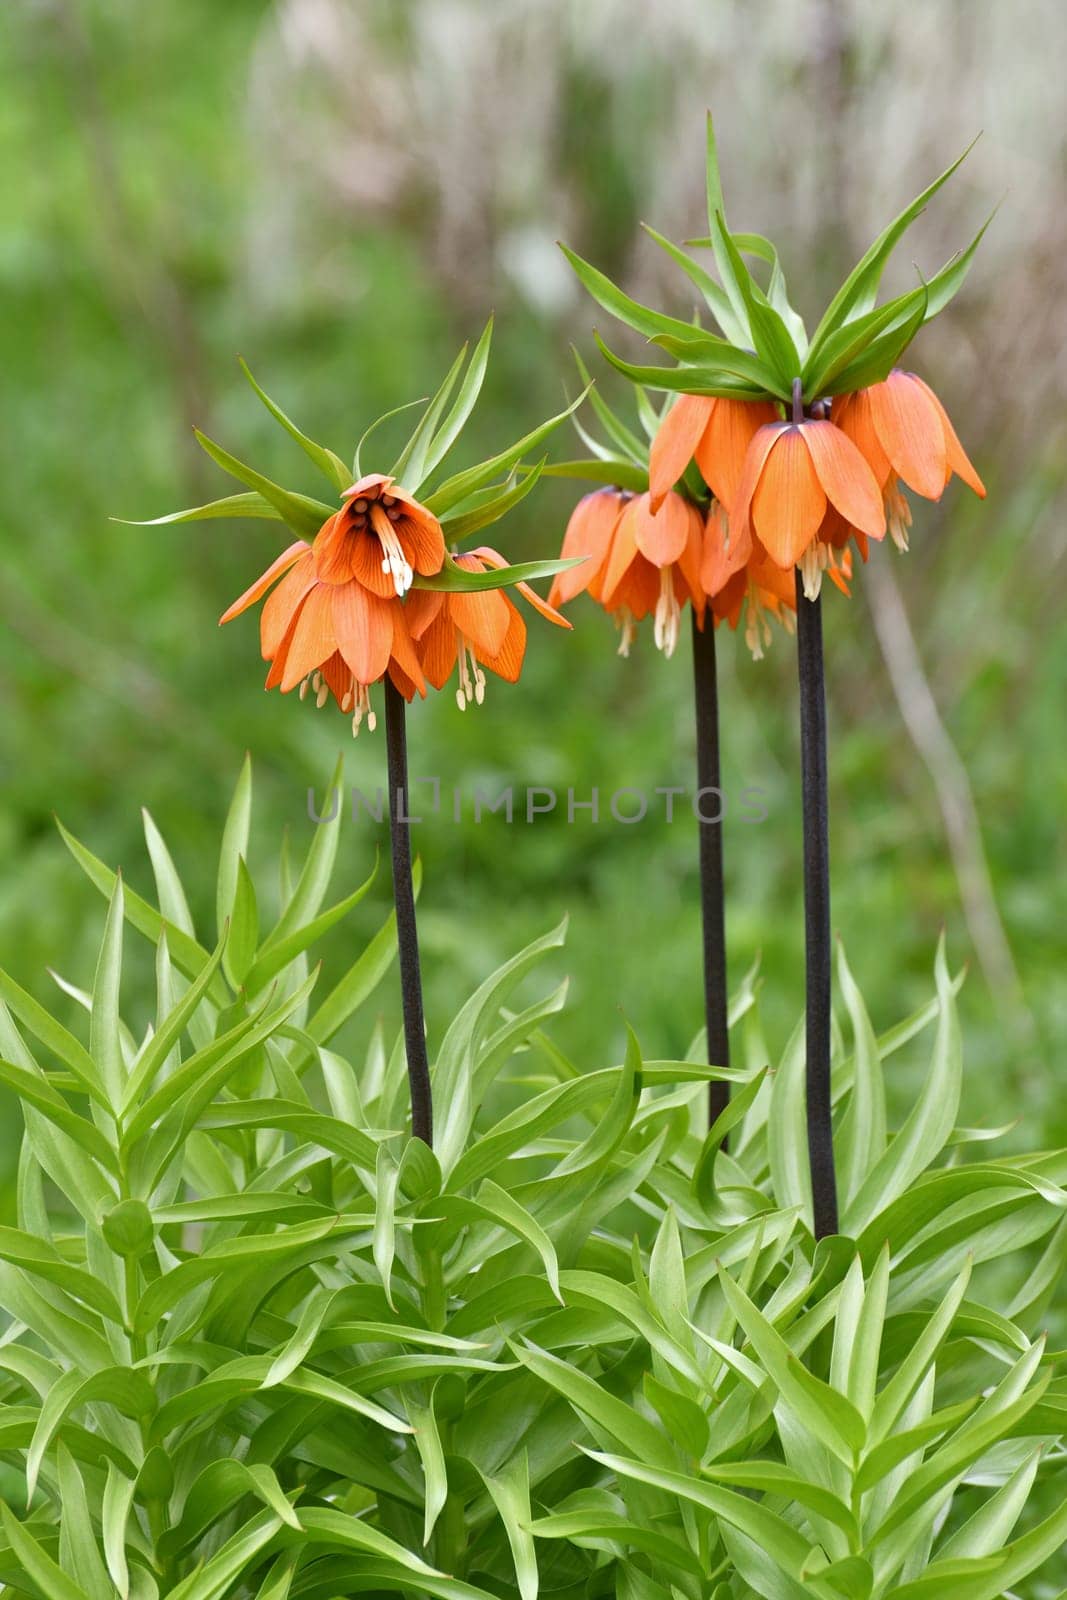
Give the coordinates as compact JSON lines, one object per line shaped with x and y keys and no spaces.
{"x":637,"y":561}
{"x":480,"y":629}
{"x":716,"y":433}
{"x":381,"y":537}
{"x":796,"y":473}
{"x":757,"y":591}
{"x":334,"y":637}
{"x":905,"y":434}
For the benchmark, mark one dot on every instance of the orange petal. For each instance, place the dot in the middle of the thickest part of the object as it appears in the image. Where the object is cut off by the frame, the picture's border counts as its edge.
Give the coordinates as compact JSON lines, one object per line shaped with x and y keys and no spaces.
{"x":437,"y":649}
{"x":721,"y":452}
{"x":314,"y":639}
{"x":763,"y":441}
{"x":675,"y":443}
{"x":493,"y":558}
{"x":365,"y":564}
{"x":847,"y":480}
{"x":264,"y":581}
{"x":334,"y":545}
{"x":852,"y":414}
{"x":957,"y":458}
{"x":621,"y":557}
{"x":691,"y":560}
{"x":507,"y":662}
{"x":723,"y":553}
{"x":404,"y":662}
{"x":368,"y":487}
{"x":911,"y":434}
{"x":588,"y":534}
{"x":282,"y":606}
{"x":420,"y":608}
{"x":363,"y":628}
{"x":661,"y":536}
{"x":421,"y":540}
{"x":728,"y":603}
{"x":789,"y":502}
{"x":482,"y":618}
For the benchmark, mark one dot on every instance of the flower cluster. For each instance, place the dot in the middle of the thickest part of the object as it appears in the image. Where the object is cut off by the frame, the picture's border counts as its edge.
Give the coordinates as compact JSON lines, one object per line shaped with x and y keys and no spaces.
{"x":341,"y":618}
{"x":374,"y":588}
{"x":778,"y":453}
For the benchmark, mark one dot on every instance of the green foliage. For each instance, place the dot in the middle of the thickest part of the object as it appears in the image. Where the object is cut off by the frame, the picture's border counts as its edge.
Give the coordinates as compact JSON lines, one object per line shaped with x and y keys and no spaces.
{"x":259,"y":1342}
{"x":465,"y":502}
{"x":764,"y":345}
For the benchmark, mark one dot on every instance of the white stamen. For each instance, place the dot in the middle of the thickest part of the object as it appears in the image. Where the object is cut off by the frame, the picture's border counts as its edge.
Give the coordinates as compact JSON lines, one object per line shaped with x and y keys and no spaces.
{"x":304,"y":688}
{"x":668,"y":614}
{"x":898,"y":515}
{"x":393,"y":557}
{"x":813,"y":564}
{"x":359,"y":697}
{"x":322,"y":696}
{"x":627,"y":626}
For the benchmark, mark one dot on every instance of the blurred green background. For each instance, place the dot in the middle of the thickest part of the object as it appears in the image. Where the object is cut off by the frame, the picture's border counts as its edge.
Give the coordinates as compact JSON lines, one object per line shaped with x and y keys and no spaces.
{"x":339,"y":190}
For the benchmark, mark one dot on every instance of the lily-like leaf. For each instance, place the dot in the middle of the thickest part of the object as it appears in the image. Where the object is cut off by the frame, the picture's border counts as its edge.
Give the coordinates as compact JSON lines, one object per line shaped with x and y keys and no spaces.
{"x":457,"y":580}
{"x":327,"y":462}
{"x":858,"y":292}
{"x":304,"y":515}
{"x":610,"y":470}
{"x":464,"y":523}
{"x":737,"y":374}
{"x":455,"y":490}
{"x":231,"y":505}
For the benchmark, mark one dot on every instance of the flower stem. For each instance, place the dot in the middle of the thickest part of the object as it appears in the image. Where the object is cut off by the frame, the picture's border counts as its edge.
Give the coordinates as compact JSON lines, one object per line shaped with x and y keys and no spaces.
{"x":816,"y":909}
{"x":706,"y":701}
{"x":407,"y":936}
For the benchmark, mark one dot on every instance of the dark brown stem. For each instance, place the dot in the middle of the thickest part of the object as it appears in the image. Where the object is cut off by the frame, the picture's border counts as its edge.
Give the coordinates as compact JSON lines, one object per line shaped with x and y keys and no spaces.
{"x":706,"y":701}
{"x":407,"y":935}
{"x":817,"y":949}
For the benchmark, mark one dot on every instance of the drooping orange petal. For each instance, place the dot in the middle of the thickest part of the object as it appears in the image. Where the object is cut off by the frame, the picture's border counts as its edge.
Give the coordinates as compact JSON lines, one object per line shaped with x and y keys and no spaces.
{"x":483,"y":617}
{"x":621,"y":557}
{"x":493,"y":558}
{"x":852,"y":414}
{"x":333,"y":547}
{"x":911,"y":434}
{"x":957,"y":459}
{"x":314,"y":639}
{"x":283,"y":604}
{"x":588,"y":534}
{"x":438,"y":649}
{"x":721,"y":453}
{"x":507,"y":662}
{"x":277,"y":666}
{"x":789,"y":502}
{"x":420,"y":608}
{"x":675,"y":444}
{"x":724,"y":552}
{"x":365,"y":558}
{"x":763,"y":442}
{"x":638,"y":589}
{"x":661,"y":537}
{"x":691,"y":559}
{"x":404,"y":660}
{"x":847,"y":480}
{"x":363,"y":627}
{"x":421,"y":540}
{"x":728,"y":603}
{"x":258,"y":589}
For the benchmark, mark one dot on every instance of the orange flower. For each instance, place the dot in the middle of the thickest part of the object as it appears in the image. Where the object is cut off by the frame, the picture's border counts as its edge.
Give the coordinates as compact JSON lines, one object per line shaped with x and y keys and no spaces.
{"x":381,"y":537}
{"x":479,"y":629}
{"x":638,"y":561}
{"x":714,"y":432}
{"x":796,"y":476}
{"x":905,"y":434}
{"x":335,"y":637}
